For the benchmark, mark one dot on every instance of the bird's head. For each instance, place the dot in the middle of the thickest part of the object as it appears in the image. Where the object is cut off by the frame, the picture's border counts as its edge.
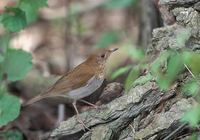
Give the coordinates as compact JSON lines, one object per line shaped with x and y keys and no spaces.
{"x":100,"y":56}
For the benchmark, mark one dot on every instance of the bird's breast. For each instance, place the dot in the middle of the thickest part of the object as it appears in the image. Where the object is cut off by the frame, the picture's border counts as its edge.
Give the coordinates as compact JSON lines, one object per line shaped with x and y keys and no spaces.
{"x":92,"y":85}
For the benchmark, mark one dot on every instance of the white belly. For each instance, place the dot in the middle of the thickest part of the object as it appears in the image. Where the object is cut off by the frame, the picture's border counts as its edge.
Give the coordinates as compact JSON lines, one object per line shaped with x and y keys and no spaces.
{"x":93,"y":84}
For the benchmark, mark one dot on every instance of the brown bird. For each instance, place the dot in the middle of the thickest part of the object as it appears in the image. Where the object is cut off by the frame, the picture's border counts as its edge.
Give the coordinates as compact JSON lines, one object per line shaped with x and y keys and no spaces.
{"x":80,"y":82}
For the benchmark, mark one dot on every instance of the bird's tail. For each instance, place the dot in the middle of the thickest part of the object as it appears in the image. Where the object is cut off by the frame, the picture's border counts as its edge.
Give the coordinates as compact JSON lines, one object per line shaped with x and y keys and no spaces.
{"x":35,"y":99}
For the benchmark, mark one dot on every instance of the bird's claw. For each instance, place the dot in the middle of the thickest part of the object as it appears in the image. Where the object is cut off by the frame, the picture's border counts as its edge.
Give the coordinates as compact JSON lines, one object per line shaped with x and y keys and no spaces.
{"x":96,"y":107}
{"x":84,"y":127}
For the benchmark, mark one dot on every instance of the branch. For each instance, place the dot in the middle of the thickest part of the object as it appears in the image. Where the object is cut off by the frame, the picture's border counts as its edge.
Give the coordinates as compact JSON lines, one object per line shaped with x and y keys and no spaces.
{"x":111,"y":119}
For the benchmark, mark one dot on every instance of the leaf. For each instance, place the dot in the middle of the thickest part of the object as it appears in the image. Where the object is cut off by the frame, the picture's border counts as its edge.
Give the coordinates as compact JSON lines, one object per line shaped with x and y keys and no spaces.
{"x":156,"y":65}
{"x":142,"y":80}
{"x":107,"y":39}
{"x":16,"y":65}
{"x":13,"y":19}
{"x":13,"y":135}
{"x":9,"y":108}
{"x":4,"y":43}
{"x":193,"y":137}
{"x":134,"y":52}
{"x":192,"y":117}
{"x":119,"y":3}
{"x":191,"y":88}
{"x":132,"y":76}
{"x":120,"y":71}
{"x":191,"y":59}
{"x":165,"y":75}
{"x":175,"y":66}
{"x":30,"y":7}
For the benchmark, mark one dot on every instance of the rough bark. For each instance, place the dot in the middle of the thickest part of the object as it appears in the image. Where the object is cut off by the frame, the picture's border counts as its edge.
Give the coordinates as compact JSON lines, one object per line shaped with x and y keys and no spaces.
{"x":145,"y":112}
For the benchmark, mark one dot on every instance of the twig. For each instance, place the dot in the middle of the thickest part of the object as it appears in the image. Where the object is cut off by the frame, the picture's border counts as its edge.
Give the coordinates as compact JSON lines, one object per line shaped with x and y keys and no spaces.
{"x":189,"y":71}
{"x":171,"y":135}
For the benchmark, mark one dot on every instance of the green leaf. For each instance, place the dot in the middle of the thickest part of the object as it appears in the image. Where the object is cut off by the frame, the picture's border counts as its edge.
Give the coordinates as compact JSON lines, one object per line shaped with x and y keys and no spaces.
{"x":134,"y":52}
{"x":9,"y":108}
{"x":30,"y":7}
{"x":175,"y":66}
{"x":4,"y":43}
{"x":31,"y":13}
{"x":157,"y":67}
{"x":119,"y":3}
{"x":107,"y":39}
{"x":3,"y":89}
{"x":142,"y":80}
{"x":165,"y":75}
{"x":16,"y":65}
{"x":120,"y":71}
{"x":191,"y":88}
{"x":191,"y":59}
{"x":192,"y":117}
{"x":132,"y":76}
{"x":193,"y":137}
{"x":157,"y":64}
{"x":13,"y":19}
{"x":1,"y":16}
{"x":13,"y":135}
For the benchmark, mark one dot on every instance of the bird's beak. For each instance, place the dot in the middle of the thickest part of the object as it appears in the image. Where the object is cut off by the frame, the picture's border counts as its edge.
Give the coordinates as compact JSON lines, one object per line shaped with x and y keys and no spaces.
{"x":113,"y":50}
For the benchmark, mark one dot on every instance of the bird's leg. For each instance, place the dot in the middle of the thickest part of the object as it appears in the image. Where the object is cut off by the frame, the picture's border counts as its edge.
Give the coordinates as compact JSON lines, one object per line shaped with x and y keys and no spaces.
{"x":78,"y":117}
{"x":93,"y":105}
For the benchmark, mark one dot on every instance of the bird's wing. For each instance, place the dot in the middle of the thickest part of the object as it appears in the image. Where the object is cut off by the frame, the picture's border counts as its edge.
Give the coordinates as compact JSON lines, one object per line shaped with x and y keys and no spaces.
{"x":76,"y":78}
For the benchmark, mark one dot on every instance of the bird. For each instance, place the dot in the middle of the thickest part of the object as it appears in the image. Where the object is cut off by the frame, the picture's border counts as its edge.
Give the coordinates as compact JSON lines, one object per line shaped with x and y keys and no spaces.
{"x":80,"y":82}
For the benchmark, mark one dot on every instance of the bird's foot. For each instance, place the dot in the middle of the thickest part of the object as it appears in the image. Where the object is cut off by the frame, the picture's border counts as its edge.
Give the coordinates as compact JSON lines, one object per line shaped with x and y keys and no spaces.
{"x":84,"y":127}
{"x":78,"y":117}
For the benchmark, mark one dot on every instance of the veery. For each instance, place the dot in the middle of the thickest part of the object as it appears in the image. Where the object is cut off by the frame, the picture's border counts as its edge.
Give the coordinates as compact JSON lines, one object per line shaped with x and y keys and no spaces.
{"x":80,"y":82}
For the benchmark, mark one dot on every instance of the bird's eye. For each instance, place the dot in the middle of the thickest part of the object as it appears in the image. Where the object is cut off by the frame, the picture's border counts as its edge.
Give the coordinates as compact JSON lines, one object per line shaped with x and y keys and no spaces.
{"x":103,"y":55}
